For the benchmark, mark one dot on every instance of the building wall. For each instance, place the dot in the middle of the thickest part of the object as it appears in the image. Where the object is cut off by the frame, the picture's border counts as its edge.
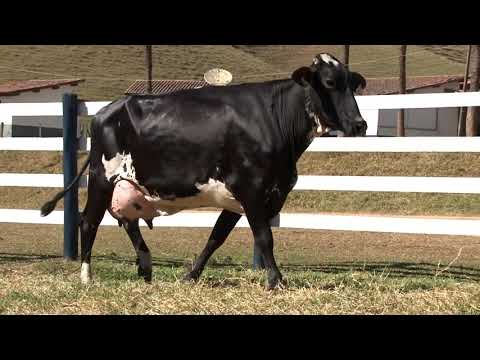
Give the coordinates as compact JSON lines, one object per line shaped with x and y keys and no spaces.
{"x":44,"y":95}
{"x":33,"y":126}
{"x":422,"y":122}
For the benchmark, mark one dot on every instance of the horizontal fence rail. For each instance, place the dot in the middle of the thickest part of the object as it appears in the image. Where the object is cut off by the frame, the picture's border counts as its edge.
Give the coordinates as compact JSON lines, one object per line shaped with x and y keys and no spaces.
{"x":448,"y":185}
{"x":369,"y":106}
{"x":368,"y":102}
{"x":427,"y":144}
{"x":202,"y":219}
{"x":418,"y":101}
{"x":36,"y":180}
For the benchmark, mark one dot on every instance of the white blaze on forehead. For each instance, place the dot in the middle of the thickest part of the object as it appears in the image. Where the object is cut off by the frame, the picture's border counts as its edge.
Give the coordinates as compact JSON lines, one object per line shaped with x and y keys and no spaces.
{"x":328,"y":59}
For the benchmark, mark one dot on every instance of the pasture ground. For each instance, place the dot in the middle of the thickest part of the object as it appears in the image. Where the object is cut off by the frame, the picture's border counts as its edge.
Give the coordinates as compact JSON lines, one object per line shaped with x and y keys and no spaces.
{"x":326,"y":273}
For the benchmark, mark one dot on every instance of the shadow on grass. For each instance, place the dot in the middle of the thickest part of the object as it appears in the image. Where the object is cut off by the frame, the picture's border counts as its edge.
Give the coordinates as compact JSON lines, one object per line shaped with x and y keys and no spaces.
{"x":394,"y":269}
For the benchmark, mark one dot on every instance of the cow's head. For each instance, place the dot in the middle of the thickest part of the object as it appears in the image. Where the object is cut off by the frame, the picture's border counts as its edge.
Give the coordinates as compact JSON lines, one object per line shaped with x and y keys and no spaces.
{"x":332,"y":100}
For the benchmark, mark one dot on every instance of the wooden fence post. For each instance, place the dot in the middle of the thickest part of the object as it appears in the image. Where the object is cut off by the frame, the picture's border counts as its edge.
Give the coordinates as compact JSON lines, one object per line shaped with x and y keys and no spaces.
{"x":70,"y":212}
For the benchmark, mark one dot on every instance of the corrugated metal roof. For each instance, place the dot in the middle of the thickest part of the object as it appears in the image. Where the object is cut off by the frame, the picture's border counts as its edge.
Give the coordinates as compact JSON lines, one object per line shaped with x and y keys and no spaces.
{"x":375,"y":86}
{"x":15,"y":87}
{"x":161,"y":87}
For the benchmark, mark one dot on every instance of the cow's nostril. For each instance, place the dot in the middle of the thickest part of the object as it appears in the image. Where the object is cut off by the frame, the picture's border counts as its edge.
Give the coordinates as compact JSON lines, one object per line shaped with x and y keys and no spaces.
{"x":362,"y":127}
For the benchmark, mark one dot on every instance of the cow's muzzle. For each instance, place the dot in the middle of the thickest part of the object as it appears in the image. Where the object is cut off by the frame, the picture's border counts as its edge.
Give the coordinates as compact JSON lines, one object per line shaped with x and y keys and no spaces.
{"x":360,"y":128}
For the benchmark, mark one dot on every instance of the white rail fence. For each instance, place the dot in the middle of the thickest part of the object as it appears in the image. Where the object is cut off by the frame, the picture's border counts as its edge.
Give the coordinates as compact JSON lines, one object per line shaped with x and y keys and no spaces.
{"x":369,"y":106}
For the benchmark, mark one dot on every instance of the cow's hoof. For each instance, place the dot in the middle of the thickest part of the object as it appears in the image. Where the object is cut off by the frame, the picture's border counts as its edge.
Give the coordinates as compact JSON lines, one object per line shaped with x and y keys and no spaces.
{"x":85,"y":280}
{"x":274,"y":284}
{"x":86,"y":274}
{"x":191,"y":277}
{"x":146,"y":274}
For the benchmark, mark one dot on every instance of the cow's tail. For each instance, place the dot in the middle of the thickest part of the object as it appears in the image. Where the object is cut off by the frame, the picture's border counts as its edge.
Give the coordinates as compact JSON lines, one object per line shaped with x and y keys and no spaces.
{"x":49,"y":206}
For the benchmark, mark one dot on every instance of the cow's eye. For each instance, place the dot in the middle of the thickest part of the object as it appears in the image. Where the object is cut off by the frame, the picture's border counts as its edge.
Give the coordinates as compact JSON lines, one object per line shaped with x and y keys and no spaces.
{"x":330,"y":83}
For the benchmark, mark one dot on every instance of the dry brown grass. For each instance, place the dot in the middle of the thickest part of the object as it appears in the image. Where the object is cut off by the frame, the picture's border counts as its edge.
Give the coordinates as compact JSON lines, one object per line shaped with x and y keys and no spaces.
{"x":36,"y":289}
{"x":326,"y":272}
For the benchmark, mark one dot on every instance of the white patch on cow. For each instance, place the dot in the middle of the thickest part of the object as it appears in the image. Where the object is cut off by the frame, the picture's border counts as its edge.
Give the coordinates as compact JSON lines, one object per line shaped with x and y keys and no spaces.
{"x":120,"y":165}
{"x":321,"y":130}
{"x":145,"y":259}
{"x":212,"y":194}
{"x":85,"y":274}
{"x":328,"y":59}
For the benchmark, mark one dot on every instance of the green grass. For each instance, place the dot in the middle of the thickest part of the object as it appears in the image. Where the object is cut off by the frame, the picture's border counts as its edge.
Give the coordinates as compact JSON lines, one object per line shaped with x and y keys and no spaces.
{"x":52,"y":287}
{"x":325,"y":273}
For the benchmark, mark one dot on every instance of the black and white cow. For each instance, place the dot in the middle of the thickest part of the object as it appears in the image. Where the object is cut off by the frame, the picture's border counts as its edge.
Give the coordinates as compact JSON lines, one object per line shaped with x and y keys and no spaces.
{"x":233,"y":147}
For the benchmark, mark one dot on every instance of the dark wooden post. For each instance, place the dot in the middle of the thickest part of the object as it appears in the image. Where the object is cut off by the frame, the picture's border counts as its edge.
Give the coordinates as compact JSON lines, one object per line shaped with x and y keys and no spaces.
{"x":473,"y":115}
{"x":402,"y":90}
{"x":148,"y":60}
{"x":70,"y":212}
{"x":346,"y":55}
{"x":463,"y":111}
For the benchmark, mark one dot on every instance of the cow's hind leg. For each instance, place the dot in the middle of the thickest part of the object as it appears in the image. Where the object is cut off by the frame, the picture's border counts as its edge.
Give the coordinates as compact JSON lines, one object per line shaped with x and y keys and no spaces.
{"x":144,"y":258}
{"x":223,"y":227}
{"x":97,"y":204}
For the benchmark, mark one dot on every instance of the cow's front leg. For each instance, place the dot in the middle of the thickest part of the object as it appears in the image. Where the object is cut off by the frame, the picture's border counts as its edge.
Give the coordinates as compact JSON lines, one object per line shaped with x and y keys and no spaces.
{"x":263,"y":237}
{"x":144,"y":258}
{"x":224,"y":225}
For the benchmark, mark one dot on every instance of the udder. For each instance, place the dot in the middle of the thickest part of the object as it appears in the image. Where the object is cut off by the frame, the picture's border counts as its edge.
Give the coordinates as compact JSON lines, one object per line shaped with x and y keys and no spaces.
{"x":130,"y":203}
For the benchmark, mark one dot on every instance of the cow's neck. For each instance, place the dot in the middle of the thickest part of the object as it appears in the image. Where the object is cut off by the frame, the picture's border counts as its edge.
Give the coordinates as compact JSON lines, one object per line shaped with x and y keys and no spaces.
{"x":304,"y":128}
{"x":290,"y":103}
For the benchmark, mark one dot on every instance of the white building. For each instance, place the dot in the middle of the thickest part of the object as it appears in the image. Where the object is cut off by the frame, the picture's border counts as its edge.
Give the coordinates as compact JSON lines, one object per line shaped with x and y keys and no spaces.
{"x":418,"y":122}
{"x":34,"y":91}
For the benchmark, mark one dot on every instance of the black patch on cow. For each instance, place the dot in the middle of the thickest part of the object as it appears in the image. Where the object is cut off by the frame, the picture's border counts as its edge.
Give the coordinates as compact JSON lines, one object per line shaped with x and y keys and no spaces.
{"x":169,"y":197}
{"x":137,"y":206}
{"x":125,"y":167}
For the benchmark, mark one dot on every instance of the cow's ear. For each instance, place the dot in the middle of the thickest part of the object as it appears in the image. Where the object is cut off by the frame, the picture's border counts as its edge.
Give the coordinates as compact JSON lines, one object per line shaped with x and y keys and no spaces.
{"x":302,"y":75}
{"x":356,"y":80}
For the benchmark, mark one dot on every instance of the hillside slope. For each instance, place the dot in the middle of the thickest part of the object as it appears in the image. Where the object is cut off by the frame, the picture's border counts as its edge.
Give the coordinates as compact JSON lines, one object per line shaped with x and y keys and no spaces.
{"x":109,"y":70}
{"x":370,"y":60}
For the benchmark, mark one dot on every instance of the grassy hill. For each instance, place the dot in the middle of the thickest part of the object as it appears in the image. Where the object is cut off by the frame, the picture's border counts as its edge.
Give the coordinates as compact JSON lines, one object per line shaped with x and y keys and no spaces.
{"x":370,"y":60}
{"x":109,"y":70}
